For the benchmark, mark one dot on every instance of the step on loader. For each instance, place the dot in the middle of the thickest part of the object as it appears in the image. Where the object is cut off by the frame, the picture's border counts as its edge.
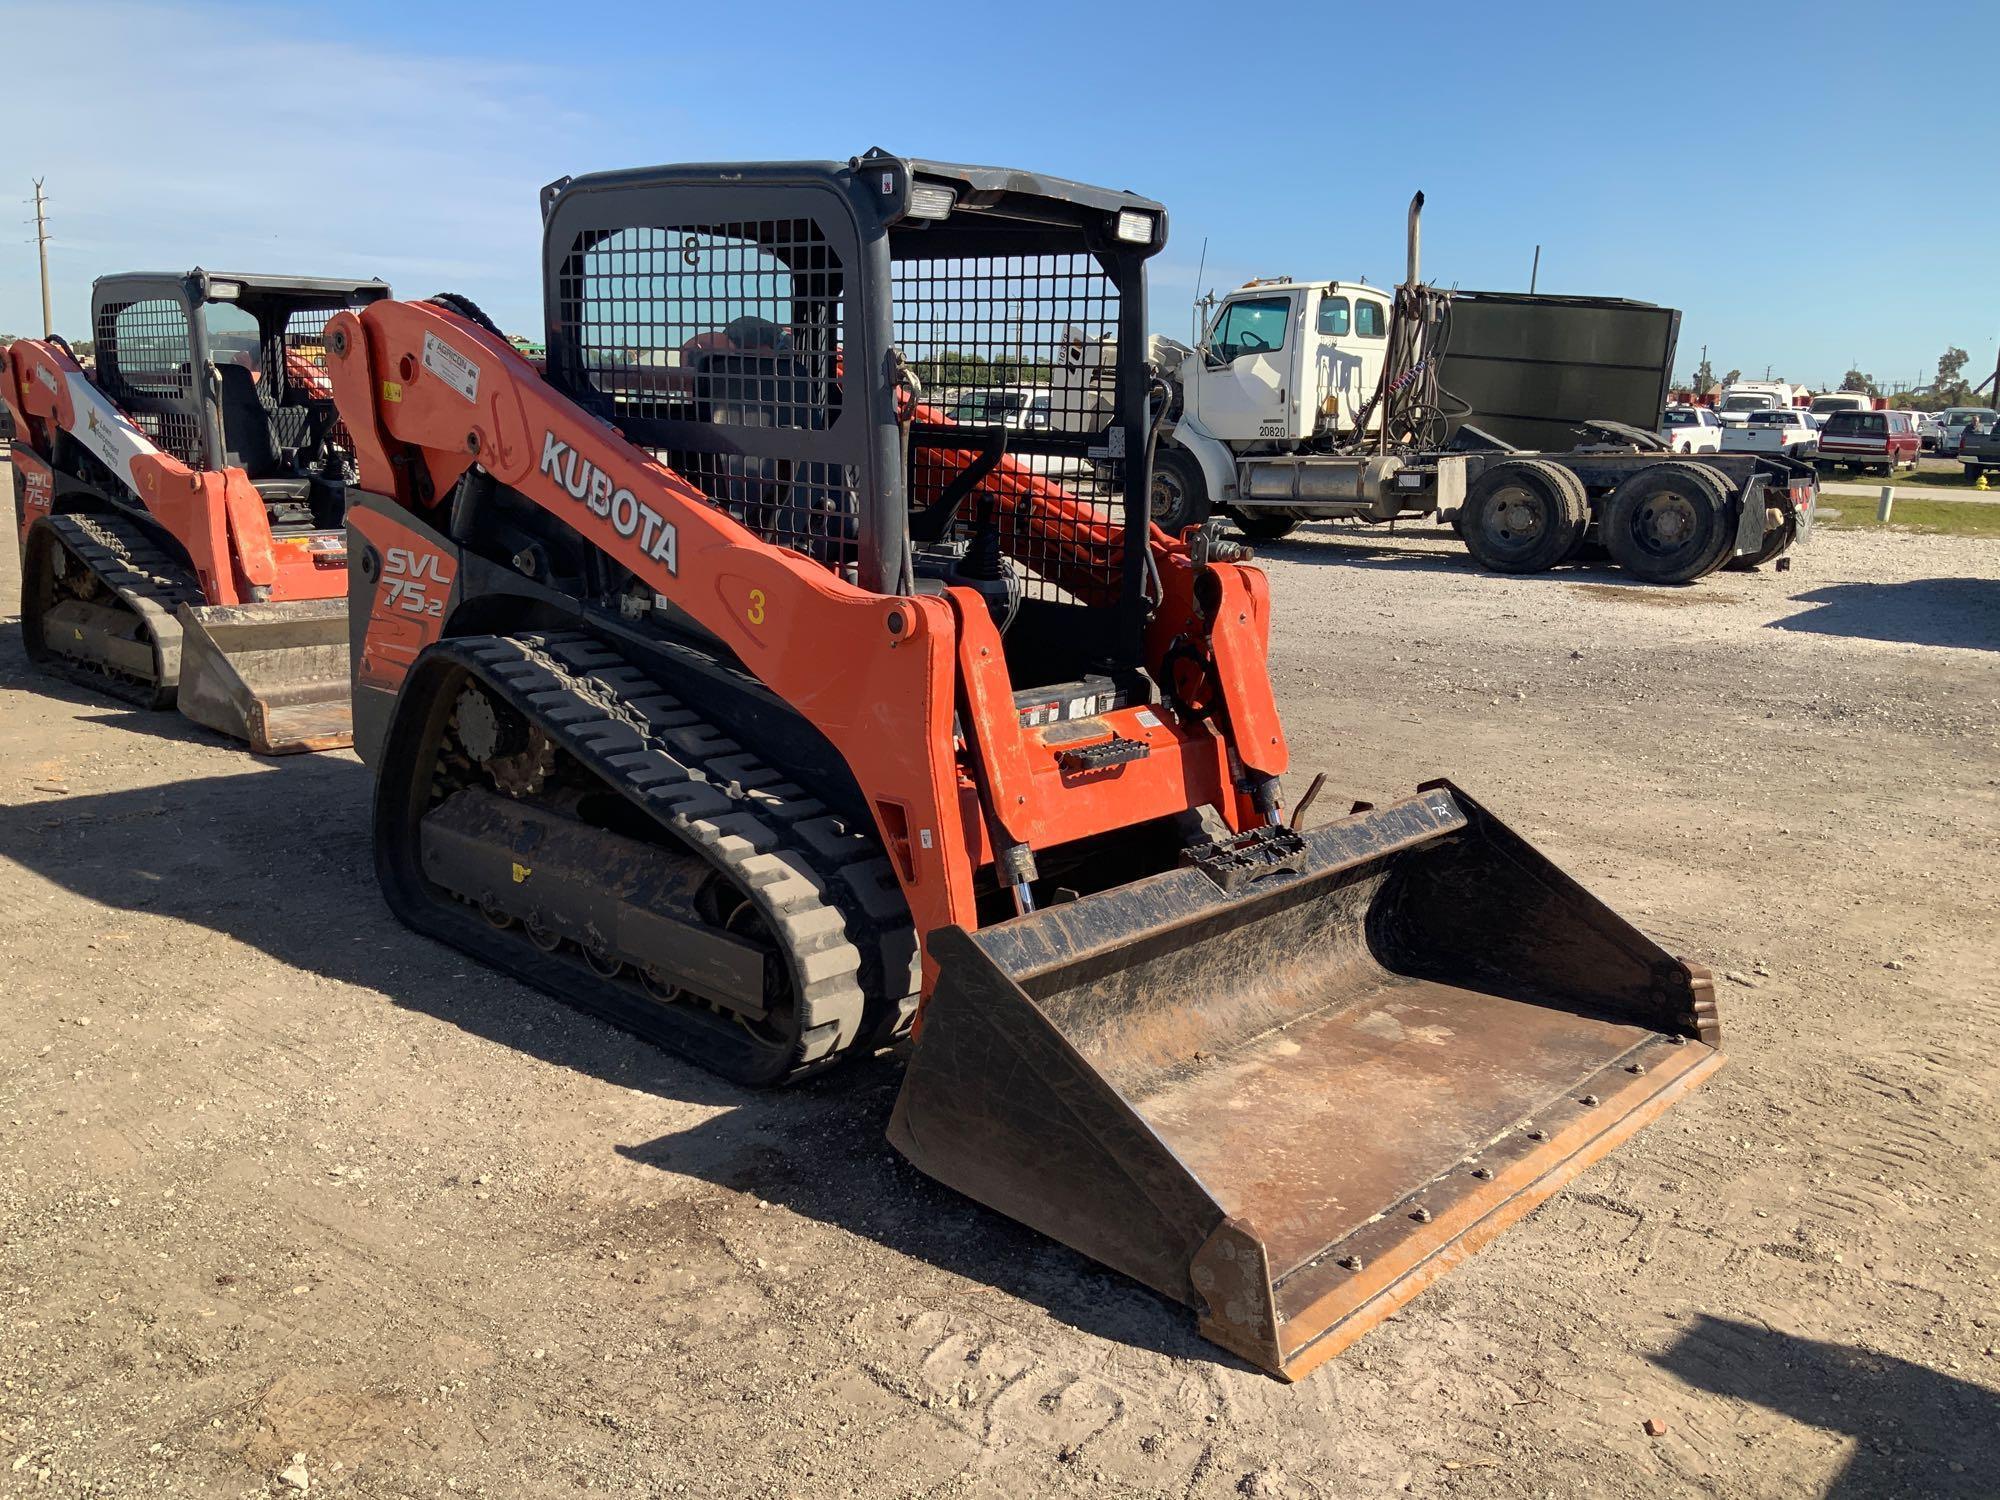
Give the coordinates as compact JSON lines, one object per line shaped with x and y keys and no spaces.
{"x":180,"y":508}
{"x":765,"y":676}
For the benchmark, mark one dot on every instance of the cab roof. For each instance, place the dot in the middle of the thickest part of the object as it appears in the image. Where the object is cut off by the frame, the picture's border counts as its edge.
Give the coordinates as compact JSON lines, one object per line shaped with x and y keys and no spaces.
{"x":199,"y":284}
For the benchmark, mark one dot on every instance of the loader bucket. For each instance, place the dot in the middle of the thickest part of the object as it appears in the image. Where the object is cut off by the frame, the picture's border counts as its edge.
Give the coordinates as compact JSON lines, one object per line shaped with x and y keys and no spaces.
{"x":1294,"y":1083}
{"x":273,"y":674}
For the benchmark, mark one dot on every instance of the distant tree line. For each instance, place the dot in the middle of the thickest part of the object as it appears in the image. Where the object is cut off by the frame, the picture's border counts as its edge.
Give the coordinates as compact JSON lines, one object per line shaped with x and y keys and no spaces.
{"x":951,"y":369}
{"x":1949,"y":388}
{"x":82,"y":348}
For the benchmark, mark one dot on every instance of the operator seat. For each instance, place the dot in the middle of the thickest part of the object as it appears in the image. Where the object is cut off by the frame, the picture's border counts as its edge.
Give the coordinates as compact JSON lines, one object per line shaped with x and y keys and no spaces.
{"x":249,"y":438}
{"x":756,"y":379}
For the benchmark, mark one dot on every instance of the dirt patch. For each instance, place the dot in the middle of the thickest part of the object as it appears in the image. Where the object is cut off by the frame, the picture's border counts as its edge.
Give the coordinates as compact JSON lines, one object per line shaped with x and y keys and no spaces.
{"x":1660,"y":598}
{"x":277,"y":1177}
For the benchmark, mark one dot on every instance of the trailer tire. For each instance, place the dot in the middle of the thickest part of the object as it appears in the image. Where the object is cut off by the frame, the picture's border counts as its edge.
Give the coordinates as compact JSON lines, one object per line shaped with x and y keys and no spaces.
{"x":1523,"y":515}
{"x":1180,"y":493}
{"x":1669,"y":523}
{"x":1263,"y":528}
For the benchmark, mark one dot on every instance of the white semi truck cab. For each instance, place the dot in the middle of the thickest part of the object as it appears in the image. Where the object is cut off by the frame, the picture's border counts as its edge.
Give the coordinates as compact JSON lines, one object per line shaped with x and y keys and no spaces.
{"x":1275,"y":406}
{"x":1284,"y":361}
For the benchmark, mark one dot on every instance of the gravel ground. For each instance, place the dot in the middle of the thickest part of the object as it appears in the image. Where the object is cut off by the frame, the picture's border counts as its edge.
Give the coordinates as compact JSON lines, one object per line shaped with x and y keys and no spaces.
{"x":290,"y":1198}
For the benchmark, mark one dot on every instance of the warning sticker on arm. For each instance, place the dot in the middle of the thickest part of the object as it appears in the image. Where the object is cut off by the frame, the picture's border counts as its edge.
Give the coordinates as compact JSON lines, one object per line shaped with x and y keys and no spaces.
{"x":453,"y":368}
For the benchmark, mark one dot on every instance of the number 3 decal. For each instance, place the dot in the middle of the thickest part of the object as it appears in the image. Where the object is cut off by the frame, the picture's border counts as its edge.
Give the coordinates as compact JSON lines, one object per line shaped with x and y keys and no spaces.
{"x":755,"y":613}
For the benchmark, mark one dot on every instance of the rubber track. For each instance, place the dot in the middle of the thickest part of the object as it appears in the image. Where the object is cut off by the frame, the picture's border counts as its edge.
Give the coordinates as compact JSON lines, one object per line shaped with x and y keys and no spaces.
{"x":135,"y":569}
{"x":826,"y":892}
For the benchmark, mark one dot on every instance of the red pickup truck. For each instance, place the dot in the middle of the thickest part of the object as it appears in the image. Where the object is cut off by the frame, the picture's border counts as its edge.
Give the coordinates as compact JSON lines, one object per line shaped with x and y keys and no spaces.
{"x":1881,"y":440}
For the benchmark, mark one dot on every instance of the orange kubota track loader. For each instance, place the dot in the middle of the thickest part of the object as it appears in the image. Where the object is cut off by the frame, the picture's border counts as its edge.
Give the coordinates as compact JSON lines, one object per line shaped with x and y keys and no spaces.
{"x":180,"y":509}
{"x":735,"y":680}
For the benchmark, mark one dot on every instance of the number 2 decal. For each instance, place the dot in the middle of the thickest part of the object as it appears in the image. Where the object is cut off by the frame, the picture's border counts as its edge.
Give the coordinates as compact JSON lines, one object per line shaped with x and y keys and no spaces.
{"x":755,"y":613}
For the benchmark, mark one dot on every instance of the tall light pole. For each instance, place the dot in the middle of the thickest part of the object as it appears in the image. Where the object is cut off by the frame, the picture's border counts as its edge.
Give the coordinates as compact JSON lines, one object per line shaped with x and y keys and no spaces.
{"x":42,"y":251}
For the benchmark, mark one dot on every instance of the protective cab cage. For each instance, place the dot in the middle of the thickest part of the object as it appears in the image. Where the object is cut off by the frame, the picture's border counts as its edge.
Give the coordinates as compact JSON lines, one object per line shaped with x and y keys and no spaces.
{"x":818,"y":346}
{"x":226,"y":369}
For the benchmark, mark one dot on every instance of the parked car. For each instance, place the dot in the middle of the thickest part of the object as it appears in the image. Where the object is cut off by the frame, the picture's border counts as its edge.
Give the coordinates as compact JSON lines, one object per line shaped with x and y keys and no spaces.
{"x":1979,"y":449}
{"x":1927,"y":430}
{"x":1880,"y":440}
{"x":1787,"y":430}
{"x":1955,"y":419}
{"x":1691,"y":429}
{"x":1018,"y":406}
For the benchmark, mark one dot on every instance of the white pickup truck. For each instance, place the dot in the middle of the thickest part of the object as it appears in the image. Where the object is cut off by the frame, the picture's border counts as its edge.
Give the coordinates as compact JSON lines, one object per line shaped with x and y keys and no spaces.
{"x":1691,"y":429}
{"x":1747,"y":396}
{"x":1782,"y":430}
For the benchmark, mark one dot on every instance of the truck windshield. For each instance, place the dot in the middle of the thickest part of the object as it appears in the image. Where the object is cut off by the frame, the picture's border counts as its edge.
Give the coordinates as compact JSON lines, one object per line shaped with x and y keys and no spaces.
{"x":1747,"y":403}
{"x":1254,"y":326}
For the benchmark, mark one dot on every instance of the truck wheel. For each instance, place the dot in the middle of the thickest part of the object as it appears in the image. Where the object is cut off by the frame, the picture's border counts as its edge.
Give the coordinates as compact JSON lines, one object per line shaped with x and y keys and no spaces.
{"x":1180,"y":494}
{"x":1523,"y":515}
{"x":1669,"y":523}
{"x":1263,"y":528}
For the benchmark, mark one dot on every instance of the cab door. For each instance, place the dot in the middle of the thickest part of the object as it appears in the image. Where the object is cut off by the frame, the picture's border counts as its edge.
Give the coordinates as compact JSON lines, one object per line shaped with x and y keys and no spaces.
{"x":1246,"y":386}
{"x":1350,"y":335}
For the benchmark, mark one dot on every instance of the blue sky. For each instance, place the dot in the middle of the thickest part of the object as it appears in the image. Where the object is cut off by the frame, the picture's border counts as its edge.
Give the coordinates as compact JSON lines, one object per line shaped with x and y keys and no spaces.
{"x":1798,"y":179}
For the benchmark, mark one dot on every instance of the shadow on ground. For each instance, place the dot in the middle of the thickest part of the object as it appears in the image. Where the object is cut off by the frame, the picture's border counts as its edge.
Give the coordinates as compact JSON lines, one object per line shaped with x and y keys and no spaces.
{"x":1962,"y":612}
{"x":279,"y":857}
{"x":830,"y":1162}
{"x":1917,"y":1431}
{"x":1355,"y":545}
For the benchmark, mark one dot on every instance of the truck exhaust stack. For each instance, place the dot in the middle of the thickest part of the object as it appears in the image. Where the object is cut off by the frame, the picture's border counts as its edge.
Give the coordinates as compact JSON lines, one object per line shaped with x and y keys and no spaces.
{"x":1411,"y":277}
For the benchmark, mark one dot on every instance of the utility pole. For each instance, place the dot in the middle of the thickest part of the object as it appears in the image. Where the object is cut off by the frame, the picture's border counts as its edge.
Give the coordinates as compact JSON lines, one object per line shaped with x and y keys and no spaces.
{"x":1535,"y":271}
{"x":42,"y":250}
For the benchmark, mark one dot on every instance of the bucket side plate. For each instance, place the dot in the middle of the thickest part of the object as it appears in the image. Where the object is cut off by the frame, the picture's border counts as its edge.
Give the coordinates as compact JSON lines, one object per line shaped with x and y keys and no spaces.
{"x":273,"y":675}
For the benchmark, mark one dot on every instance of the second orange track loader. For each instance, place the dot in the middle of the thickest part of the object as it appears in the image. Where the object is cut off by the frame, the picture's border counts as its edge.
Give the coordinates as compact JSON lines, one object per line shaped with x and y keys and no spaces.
{"x":179,"y":508}
{"x":737,"y":678}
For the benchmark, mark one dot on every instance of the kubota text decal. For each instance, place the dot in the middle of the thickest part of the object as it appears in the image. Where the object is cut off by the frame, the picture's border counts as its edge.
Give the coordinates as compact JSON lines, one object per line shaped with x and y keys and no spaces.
{"x":628,"y":514}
